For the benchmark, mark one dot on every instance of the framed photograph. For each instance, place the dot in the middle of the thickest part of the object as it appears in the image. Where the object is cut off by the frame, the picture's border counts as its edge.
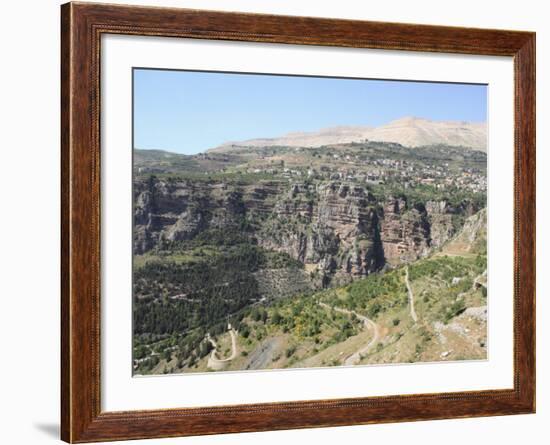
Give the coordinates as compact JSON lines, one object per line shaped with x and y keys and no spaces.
{"x":274,"y":222}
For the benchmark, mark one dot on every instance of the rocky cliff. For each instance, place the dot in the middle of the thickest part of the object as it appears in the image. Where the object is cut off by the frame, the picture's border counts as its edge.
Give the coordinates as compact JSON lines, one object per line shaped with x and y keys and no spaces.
{"x":338,"y":230}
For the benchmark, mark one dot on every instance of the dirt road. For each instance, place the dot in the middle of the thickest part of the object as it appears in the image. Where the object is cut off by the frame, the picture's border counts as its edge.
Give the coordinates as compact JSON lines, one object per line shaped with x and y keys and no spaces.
{"x":355,"y":358}
{"x":213,"y":361}
{"x":411,"y":295}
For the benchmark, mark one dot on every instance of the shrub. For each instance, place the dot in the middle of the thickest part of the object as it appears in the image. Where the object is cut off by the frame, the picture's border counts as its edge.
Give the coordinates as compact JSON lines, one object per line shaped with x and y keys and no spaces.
{"x":455,"y":309}
{"x":244,"y":331}
{"x":276,"y":318}
{"x":290,"y":351}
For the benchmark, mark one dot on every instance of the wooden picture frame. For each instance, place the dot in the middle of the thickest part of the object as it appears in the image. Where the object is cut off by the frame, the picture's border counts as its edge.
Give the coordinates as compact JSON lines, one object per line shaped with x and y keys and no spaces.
{"x":82,"y":25}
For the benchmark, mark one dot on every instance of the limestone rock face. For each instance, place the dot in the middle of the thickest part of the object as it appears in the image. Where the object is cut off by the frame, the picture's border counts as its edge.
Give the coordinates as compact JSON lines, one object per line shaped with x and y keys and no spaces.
{"x":336,"y":233}
{"x":405,"y":232}
{"x":338,"y":230}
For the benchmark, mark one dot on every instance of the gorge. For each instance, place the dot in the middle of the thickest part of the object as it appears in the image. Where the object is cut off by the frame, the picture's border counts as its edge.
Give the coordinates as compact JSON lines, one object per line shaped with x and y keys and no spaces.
{"x":290,"y":256}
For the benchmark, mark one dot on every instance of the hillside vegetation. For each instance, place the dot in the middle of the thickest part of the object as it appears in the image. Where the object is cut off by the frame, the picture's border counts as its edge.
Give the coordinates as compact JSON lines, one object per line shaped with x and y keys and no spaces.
{"x":309,"y":330}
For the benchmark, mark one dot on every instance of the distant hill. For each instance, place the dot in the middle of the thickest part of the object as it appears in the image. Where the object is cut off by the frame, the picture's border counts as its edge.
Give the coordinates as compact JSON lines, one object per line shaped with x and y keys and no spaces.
{"x":144,"y":156}
{"x":408,"y":131}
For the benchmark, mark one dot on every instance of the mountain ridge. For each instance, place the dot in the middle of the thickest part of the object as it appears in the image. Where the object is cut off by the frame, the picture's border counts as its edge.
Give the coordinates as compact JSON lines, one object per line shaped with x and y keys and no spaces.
{"x":407,"y":131}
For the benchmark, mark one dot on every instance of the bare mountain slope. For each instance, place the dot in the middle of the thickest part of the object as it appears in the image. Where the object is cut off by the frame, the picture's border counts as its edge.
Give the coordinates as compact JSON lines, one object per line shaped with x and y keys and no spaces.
{"x":408,"y":131}
{"x":414,"y":132}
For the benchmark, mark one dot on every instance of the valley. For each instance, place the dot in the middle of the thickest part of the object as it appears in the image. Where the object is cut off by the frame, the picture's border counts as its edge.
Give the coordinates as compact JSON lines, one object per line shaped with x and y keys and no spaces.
{"x":266,"y":256}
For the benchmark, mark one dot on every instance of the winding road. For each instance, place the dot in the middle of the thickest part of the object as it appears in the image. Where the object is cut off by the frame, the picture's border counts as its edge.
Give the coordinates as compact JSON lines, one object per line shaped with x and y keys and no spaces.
{"x":355,"y":358}
{"x":411,"y":295}
{"x":216,"y":363}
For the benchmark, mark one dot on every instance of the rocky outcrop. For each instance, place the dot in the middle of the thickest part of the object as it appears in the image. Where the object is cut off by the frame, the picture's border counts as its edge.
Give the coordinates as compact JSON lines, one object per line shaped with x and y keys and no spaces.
{"x":332,"y":227}
{"x":180,"y":210}
{"x":472,"y":236}
{"x":411,"y":231}
{"x":405,"y":232}
{"x":338,"y":230}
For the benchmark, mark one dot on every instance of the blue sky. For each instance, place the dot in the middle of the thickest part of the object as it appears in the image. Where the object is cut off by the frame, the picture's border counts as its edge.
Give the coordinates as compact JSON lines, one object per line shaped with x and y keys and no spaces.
{"x":189,"y":112}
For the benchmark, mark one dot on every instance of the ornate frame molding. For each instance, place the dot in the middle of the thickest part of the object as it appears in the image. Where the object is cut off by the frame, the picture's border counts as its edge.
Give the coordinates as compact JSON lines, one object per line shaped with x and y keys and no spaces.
{"x":82,"y":25}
